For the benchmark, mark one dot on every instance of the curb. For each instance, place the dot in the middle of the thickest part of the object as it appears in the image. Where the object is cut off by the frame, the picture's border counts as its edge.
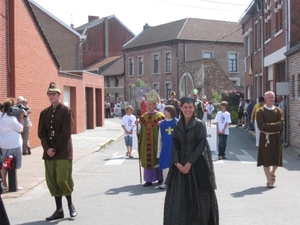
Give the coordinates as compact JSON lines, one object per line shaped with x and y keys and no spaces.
{"x":104,"y":145}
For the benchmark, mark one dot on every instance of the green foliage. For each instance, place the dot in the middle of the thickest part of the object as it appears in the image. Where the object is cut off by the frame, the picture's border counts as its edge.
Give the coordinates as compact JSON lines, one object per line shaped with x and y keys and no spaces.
{"x":140,"y":83}
{"x":215,"y":96}
{"x":232,"y":97}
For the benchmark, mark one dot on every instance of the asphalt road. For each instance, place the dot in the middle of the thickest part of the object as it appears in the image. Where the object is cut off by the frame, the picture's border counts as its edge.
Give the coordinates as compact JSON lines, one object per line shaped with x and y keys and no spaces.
{"x":108,"y":190}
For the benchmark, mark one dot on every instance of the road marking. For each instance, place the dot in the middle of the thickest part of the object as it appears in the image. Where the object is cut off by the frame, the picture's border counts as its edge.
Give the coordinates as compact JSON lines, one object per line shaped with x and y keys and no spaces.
{"x":246,"y":158}
{"x":115,"y":160}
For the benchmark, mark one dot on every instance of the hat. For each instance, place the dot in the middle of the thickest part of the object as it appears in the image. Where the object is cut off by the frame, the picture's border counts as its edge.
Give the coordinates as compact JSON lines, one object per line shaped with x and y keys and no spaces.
{"x":203,"y":97}
{"x":195,"y":92}
{"x":53,"y":87}
{"x":187,"y":100}
{"x":152,"y":96}
{"x":20,"y":99}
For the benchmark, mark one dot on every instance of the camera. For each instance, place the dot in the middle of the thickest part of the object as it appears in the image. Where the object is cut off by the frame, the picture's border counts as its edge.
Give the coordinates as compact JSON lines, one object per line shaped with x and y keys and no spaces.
{"x":17,"y":110}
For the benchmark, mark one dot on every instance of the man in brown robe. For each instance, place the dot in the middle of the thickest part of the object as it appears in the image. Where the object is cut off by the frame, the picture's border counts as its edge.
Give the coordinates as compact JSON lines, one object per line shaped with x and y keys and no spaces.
{"x":270,"y":121}
{"x":54,"y":130}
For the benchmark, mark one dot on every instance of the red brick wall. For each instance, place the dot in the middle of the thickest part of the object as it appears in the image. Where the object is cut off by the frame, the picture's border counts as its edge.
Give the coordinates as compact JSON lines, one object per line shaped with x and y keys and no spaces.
{"x":33,"y":68}
{"x":94,"y":46}
{"x":295,"y":21}
{"x":3,"y":51}
{"x":148,"y":77}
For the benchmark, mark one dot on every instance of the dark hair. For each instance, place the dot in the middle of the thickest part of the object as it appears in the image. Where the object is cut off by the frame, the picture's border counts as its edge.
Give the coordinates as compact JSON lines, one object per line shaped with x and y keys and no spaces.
{"x":247,"y":100}
{"x":261,"y":99}
{"x":171,"y":110}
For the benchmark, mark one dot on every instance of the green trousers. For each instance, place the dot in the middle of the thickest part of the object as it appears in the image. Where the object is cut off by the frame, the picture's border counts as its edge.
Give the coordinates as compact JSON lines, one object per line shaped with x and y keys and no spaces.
{"x":59,"y":177}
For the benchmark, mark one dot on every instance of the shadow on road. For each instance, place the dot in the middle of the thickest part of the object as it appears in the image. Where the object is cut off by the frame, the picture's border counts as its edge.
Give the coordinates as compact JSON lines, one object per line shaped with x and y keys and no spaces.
{"x":250,"y":191}
{"x":134,"y":190}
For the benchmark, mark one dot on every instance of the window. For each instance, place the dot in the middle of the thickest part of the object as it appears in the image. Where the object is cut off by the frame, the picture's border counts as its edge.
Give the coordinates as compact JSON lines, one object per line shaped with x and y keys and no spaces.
{"x":156,"y":87}
{"x":235,"y":81}
{"x":107,"y":81}
{"x":155,"y":66}
{"x":131,"y":67}
{"x":207,"y":55}
{"x":168,"y":90}
{"x":141,"y":66}
{"x":116,"y":82}
{"x":168,"y":62}
{"x":233,"y":62}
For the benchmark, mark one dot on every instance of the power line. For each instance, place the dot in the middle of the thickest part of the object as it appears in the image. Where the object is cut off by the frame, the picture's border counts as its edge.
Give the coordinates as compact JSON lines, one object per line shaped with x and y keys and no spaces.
{"x":200,"y":7}
{"x":224,"y":3}
{"x":225,"y":36}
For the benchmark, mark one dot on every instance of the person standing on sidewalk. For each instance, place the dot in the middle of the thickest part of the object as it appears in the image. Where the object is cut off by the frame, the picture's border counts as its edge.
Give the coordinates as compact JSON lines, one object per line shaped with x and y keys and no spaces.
{"x":148,"y":140}
{"x":54,"y":130}
{"x":10,"y":138}
{"x":27,"y":124}
{"x":270,"y":121}
{"x":223,"y":120}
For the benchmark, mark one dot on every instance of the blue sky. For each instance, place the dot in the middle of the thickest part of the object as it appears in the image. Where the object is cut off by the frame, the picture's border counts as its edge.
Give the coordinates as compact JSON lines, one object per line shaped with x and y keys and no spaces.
{"x":135,"y":13}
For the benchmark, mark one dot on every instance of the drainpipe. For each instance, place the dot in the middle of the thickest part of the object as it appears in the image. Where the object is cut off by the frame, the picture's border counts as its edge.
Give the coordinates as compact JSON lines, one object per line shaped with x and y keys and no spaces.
{"x":7,"y":49}
{"x":287,"y":40}
{"x":106,"y":37}
{"x":262,"y":45}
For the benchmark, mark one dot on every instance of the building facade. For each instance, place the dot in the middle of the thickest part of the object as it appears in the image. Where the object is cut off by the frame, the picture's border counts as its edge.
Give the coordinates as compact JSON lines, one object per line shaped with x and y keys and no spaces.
{"x":157,"y":56}
{"x":29,"y":62}
{"x":271,"y":41}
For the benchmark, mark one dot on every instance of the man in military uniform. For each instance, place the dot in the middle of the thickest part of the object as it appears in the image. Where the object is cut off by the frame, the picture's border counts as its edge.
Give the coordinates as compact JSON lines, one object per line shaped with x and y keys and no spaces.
{"x":54,"y":130}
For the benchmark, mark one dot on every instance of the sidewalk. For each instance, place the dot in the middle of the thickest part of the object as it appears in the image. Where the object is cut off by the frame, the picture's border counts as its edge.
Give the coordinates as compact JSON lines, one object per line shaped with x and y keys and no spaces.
{"x":32,"y":172}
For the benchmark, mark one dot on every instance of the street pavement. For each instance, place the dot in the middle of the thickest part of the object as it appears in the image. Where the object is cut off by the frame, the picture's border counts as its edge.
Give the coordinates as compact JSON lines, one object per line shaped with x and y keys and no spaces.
{"x":108,"y":189}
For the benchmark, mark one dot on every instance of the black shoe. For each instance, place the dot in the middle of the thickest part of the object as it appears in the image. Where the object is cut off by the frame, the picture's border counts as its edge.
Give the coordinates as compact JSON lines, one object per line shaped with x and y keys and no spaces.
{"x":220,"y":157}
{"x":160,"y":182}
{"x":72,"y":211}
{"x":58,"y":214}
{"x":147,"y":184}
{"x":223,"y":157}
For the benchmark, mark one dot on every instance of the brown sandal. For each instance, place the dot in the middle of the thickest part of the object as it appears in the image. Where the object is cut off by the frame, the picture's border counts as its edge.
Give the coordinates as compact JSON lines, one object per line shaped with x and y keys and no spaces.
{"x":270,"y":185}
{"x":273,"y":178}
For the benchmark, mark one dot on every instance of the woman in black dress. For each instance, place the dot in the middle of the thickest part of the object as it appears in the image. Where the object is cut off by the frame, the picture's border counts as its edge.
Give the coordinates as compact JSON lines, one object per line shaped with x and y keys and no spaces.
{"x":190,"y":197}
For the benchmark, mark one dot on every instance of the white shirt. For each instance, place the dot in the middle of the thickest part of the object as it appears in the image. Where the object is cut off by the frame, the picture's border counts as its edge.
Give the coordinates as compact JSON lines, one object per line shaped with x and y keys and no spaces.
{"x":161,"y":107}
{"x":223,"y":118}
{"x":10,"y":132}
{"x":128,"y":121}
{"x":210,"y":109}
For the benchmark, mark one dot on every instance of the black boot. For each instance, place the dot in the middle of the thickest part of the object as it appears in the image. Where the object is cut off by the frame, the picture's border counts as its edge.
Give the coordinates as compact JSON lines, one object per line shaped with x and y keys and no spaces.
{"x":58,"y":214}
{"x":72,"y":211}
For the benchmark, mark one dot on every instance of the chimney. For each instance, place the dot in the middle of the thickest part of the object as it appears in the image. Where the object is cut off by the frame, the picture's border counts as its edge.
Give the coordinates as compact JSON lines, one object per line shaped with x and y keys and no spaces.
{"x":92,"y":18}
{"x":146,"y":26}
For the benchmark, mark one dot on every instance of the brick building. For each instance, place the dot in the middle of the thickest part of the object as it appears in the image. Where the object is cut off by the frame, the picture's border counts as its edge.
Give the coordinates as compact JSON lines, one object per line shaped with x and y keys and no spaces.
{"x":159,"y":56}
{"x":102,"y":51}
{"x":271,"y":42}
{"x":30,"y":60}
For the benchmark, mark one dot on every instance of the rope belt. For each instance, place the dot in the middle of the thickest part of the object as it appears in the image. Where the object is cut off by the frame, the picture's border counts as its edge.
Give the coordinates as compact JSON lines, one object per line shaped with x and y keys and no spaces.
{"x":267,"y":136}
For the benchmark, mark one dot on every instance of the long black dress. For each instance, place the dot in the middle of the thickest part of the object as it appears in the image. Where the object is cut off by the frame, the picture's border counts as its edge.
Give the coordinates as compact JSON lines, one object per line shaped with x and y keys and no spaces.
{"x":190,"y":198}
{"x":3,"y":216}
